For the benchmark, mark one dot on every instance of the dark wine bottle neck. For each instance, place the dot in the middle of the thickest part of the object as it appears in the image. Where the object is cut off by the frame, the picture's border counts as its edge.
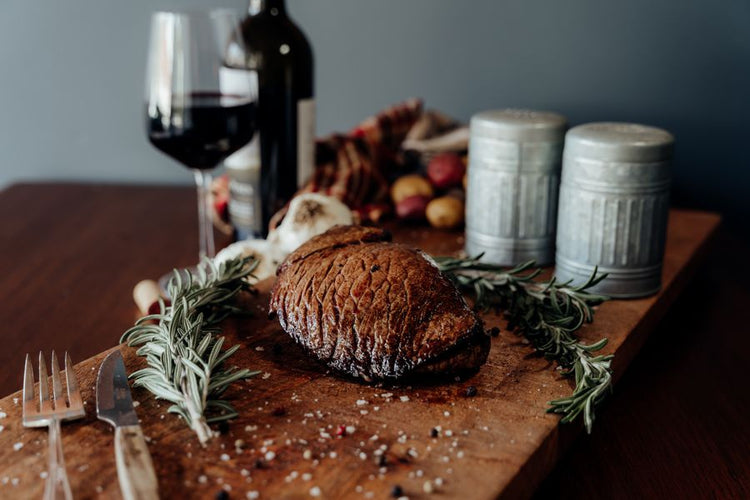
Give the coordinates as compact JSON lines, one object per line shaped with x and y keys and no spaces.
{"x":273,"y":7}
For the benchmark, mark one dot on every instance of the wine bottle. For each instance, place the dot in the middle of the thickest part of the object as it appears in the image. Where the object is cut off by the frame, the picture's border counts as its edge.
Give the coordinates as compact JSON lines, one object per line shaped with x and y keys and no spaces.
{"x":283,"y":60}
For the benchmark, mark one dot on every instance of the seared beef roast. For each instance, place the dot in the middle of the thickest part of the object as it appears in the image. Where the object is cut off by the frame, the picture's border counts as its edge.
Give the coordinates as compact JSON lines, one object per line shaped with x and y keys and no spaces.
{"x":375,"y":309}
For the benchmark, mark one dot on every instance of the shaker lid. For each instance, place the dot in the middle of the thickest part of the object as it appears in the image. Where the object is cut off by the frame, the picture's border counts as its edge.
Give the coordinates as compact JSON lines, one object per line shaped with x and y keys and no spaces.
{"x":522,"y":125}
{"x":612,"y":141}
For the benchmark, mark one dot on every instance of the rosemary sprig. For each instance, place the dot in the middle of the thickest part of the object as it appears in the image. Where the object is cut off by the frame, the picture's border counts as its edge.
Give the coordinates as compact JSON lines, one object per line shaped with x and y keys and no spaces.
{"x":547,"y":314}
{"x":184,"y":355}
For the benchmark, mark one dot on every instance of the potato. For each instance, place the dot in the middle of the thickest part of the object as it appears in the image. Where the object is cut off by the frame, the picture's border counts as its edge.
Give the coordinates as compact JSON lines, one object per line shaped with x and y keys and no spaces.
{"x":410,"y":185}
{"x":446,"y":170}
{"x":412,"y":208}
{"x":446,"y":212}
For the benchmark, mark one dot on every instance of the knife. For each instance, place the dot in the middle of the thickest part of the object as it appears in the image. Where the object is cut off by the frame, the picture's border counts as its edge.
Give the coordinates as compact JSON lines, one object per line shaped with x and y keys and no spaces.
{"x":135,"y":470}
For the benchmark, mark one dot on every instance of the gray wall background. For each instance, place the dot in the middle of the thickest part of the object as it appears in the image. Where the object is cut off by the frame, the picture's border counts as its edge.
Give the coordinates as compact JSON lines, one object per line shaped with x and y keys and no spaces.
{"x":71,"y":77}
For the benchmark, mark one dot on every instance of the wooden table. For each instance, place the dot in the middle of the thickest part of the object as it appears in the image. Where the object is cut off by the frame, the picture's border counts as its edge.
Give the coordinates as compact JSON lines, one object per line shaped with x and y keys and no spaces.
{"x":677,"y":423}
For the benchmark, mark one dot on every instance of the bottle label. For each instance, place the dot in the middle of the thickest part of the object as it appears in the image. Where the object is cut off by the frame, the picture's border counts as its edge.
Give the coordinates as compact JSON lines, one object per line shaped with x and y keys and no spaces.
{"x":305,"y":140}
{"x":243,"y":168}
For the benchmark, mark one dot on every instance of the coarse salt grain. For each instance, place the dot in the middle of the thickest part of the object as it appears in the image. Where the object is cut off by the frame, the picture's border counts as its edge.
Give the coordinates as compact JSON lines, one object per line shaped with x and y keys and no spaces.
{"x":404,"y":398}
{"x":307,"y":454}
{"x":252,"y":495}
{"x":265,"y":376}
{"x":438,"y":481}
{"x":427,"y":487}
{"x":306,"y":476}
{"x":270,"y":456}
{"x":17,"y":446}
{"x":259,"y":349}
{"x":225,"y":457}
{"x":350,"y":429}
{"x":3,"y":414}
{"x":447,"y":413}
{"x":333,"y":454}
{"x":361,"y":402}
{"x":202,"y":479}
{"x":315,"y":491}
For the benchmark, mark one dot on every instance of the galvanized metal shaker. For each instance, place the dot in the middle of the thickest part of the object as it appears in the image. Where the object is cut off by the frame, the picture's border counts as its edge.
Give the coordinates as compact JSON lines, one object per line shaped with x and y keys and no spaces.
{"x":614,"y":204}
{"x":513,"y":182}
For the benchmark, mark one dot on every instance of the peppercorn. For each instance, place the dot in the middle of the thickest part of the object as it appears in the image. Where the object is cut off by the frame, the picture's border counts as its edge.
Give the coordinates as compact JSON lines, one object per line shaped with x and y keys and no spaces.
{"x":258,"y":463}
{"x":222,"y":495}
{"x":434,"y":432}
{"x":382,"y":461}
{"x":276,"y":349}
{"x":397,"y":491}
{"x":494,"y":331}
{"x":279,"y":411}
{"x":223,"y":427}
{"x":471,"y":391}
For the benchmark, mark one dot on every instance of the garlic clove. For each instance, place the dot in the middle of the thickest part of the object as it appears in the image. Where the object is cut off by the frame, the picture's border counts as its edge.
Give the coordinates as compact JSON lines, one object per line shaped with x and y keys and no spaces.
{"x":309,"y":214}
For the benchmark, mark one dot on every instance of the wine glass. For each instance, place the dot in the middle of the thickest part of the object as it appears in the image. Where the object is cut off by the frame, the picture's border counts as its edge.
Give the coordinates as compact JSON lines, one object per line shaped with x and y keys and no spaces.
{"x":200,"y":101}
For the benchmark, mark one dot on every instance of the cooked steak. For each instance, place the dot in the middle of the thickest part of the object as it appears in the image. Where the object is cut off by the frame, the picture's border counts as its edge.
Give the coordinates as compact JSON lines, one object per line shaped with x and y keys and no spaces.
{"x":375,"y":309}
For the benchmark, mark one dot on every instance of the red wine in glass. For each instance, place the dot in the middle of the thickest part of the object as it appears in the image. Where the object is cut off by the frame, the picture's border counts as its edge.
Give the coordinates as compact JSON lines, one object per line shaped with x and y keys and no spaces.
{"x":202,"y":128}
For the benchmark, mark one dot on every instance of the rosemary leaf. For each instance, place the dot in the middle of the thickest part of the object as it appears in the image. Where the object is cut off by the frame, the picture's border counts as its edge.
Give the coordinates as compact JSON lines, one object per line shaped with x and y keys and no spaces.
{"x":183,"y":352}
{"x":547,"y":314}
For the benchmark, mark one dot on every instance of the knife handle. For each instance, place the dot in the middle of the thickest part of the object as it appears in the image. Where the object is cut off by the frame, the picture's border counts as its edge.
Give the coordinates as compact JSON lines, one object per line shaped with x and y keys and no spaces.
{"x":135,"y":470}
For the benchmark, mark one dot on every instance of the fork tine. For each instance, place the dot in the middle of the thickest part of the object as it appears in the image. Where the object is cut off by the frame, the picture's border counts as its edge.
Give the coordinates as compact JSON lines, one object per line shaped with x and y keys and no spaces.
{"x":57,"y":390}
{"x":44,"y":402}
{"x":74,"y":395}
{"x":29,"y":404}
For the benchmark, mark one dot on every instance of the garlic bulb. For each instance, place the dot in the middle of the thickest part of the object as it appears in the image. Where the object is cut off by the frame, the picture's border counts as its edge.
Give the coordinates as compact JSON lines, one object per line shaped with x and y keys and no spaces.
{"x":309,"y":214}
{"x":268,"y":256}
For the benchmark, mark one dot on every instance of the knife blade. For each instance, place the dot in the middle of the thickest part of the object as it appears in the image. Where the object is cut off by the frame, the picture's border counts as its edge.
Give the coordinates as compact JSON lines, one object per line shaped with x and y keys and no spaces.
{"x":114,"y":405}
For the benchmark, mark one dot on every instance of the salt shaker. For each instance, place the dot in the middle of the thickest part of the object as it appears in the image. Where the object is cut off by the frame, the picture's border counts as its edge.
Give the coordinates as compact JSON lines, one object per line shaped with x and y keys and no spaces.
{"x":614,"y":204}
{"x":513,"y":182}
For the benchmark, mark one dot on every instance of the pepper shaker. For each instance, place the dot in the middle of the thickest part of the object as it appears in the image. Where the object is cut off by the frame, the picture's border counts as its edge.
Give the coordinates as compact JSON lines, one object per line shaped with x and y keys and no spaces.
{"x":614,"y":204}
{"x":513,"y":182}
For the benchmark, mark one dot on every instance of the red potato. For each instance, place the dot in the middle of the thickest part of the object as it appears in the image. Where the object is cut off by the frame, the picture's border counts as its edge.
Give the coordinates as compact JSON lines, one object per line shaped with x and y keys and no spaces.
{"x":446,"y":170}
{"x":412,"y":208}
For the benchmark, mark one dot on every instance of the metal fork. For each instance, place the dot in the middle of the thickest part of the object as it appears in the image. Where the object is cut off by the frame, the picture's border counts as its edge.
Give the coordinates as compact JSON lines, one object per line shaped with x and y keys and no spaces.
{"x":57,"y":485}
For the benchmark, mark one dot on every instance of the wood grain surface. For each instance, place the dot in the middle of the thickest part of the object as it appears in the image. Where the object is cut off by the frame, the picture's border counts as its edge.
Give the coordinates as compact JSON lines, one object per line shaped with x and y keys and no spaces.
{"x":501,"y":440}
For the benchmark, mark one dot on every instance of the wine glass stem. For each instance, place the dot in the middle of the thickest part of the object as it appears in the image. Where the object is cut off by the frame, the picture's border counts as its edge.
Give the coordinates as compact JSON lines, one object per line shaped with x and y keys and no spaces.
{"x":205,"y":222}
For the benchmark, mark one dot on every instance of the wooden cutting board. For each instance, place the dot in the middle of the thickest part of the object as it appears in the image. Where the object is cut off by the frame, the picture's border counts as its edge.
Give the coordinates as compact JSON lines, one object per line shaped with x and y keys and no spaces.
{"x":497,"y":443}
